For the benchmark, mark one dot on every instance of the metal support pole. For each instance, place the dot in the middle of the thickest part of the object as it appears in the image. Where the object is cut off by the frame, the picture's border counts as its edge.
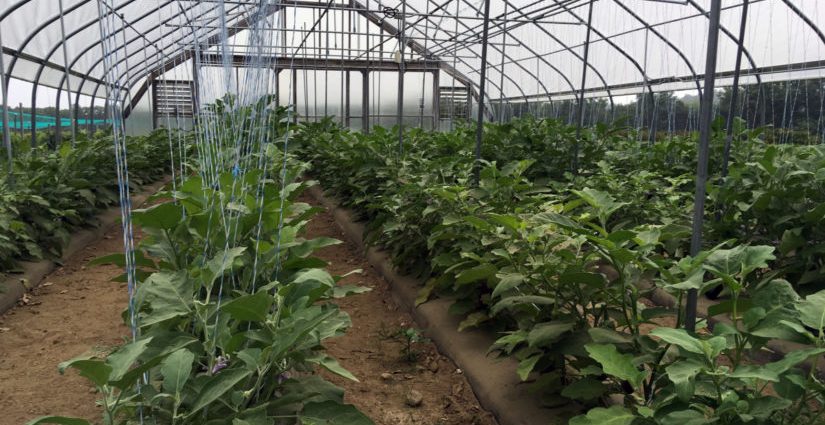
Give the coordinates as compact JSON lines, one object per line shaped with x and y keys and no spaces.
{"x":401,"y":45}
{"x":6,"y":128}
{"x":481,"y":87}
{"x":68,"y":80}
{"x":436,"y":100}
{"x":347,"y":82}
{"x":735,"y":89}
{"x":705,"y":118}
{"x":196,"y":89}
{"x":278,"y":87}
{"x":365,"y":100}
{"x":581,"y":93}
{"x":20,"y":114}
{"x":501,"y":68}
{"x":295,"y":94}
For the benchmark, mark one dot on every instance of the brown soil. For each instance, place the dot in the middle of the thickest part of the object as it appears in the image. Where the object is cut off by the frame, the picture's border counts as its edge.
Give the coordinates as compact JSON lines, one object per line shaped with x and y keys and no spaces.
{"x":372,"y":348}
{"x":76,"y":311}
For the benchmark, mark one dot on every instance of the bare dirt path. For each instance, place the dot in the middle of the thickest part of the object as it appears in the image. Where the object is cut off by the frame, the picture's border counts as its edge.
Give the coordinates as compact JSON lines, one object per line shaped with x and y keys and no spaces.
{"x":372,"y":350}
{"x":76,"y":310}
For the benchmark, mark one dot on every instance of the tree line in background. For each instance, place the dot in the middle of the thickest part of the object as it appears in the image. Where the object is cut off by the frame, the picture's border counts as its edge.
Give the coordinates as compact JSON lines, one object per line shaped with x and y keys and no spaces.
{"x":792,"y":110}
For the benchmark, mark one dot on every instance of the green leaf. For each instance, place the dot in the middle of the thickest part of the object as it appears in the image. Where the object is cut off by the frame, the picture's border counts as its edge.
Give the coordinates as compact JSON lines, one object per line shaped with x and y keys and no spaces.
{"x":95,"y":370}
{"x":683,"y":373}
{"x":176,"y":369}
{"x":812,"y":310}
{"x":740,"y":260}
{"x":473,"y":320}
{"x":331,"y":364}
{"x":343,"y":291}
{"x":526,"y":366}
{"x":507,"y":281}
{"x":59,"y":420}
{"x":479,"y":272}
{"x":162,"y":216}
{"x":679,"y":338}
{"x":683,"y":417}
{"x":601,"y":201}
{"x":217,"y":386}
{"x":332,"y":413}
{"x":515,"y":301}
{"x":125,"y":357}
{"x":585,"y":389}
{"x":754,"y":372}
{"x":608,"y":336}
{"x":544,"y":334}
{"x":614,"y":415}
{"x":250,"y":308}
{"x":616,"y":364}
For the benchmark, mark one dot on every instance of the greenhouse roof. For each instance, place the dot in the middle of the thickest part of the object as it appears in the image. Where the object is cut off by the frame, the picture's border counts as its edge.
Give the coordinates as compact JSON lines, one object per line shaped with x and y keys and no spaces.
{"x":536,"y":48}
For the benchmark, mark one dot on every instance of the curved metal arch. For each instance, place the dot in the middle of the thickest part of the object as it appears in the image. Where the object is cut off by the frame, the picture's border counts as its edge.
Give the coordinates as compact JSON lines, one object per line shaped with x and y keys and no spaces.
{"x":93,"y":45}
{"x":589,"y":65}
{"x":806,"y":19}
{"x":416,"y":47}
{"x":80,"y":29}
{"x":511,"y":60}
{"x":501,"y":89}
{"x":539,"y":56}
{"x":37,"y":31}
{"x":463,"y":62}
{"x":11,"y":9}
{"x":610,"y":42}
{"x":733,"y":38}
{"x":415,"y":27}
{"x":666,"y":40}
{"x":83,"y":28}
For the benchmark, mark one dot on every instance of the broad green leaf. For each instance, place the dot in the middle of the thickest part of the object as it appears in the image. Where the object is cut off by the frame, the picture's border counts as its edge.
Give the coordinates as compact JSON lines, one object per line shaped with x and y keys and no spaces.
{"x":479,"y":272}
{"x":544,"y":334}
{"x":614,"y":415}
{"x":250,"y":308}
{"x":812,"y":310}
{"x":162,"y":216}
{"x":585,"y":389}
{"x":332,"y":413}
{"x":754,"y":372}
{"x":217,"y":386}
{"x":763,"y":407}
{"x":95,"y":370}
{"x":608,"y":336}
{"x":683,"y":373}
{"x":176,"y":369}
{"x":740,"y":260}
{"x":343,"y":291}
{"x":679,"y":338}
{"x":125,"y":357}
{"x":601,"y":201}
{"x":331,"y":364}
{"x":473,"y":320}
{"x":507,"y":281}
{"x":526,"y":366}
{"x":616,"y":364}
{"x":684,"y":417}
{"x":59,"y":420}
{"x":515,"y":301}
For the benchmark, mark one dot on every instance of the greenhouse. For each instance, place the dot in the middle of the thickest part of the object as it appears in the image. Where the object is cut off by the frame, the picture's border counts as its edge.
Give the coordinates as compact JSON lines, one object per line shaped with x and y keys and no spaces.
{"x":398,"y":212}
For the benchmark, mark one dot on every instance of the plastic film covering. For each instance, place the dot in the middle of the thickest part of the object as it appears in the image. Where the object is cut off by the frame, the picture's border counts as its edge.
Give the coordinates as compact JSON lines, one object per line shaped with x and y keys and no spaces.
{"x":536,"y":48}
